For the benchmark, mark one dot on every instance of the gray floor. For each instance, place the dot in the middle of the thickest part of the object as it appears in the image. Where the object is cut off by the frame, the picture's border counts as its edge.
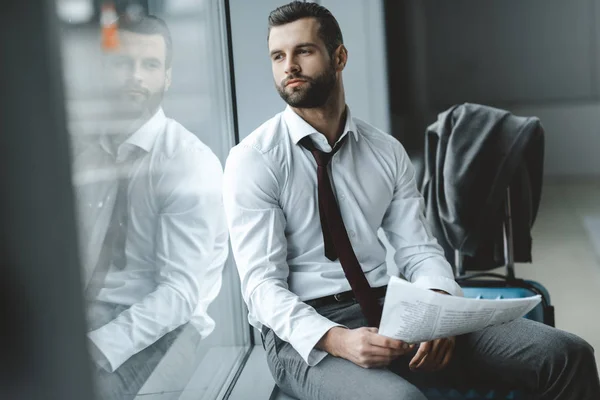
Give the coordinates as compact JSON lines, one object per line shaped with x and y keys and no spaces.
{"x":565,"y":260}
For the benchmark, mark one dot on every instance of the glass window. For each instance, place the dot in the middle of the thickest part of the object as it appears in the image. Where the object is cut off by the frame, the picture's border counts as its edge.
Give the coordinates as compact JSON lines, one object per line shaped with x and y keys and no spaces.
{"x":150,"y":117}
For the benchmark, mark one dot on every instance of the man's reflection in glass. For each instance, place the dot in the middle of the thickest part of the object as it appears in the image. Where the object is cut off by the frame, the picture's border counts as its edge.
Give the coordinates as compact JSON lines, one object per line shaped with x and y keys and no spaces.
{"x":153,"y":232}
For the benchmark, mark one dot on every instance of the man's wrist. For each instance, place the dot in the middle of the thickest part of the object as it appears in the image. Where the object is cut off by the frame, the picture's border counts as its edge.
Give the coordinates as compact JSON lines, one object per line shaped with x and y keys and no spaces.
{"x":331,"y":339}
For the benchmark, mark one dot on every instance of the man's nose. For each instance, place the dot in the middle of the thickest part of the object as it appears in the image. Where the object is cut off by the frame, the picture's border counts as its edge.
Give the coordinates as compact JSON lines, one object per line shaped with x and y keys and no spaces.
{"x":291,"y":66}
{"x":136,"y":72}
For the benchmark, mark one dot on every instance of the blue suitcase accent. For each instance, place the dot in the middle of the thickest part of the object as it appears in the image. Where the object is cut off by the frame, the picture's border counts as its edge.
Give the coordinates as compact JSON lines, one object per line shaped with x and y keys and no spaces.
{"x":503,"y":288}
{"x":537,"y":314}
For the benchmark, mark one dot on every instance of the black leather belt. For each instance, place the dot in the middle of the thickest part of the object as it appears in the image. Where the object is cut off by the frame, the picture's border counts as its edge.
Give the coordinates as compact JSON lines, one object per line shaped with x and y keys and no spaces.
{"x":343,"y":297}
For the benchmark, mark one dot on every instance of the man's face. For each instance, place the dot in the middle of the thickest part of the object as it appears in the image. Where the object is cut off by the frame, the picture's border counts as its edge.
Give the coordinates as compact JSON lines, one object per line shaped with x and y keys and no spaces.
{"x":137,"y":75}
{"x":303,"y":71}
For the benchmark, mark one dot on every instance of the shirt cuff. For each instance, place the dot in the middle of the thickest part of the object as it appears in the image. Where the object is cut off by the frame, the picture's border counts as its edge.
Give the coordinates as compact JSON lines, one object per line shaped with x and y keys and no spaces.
{"x":441,"y":283}
{"x":98,"y":357}
{"x":304,"y":342}
{"x":112,"y":346}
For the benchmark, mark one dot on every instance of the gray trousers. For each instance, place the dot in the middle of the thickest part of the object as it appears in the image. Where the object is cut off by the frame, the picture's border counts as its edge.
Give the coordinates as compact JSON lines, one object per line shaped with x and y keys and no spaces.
{"x":545,"y":362}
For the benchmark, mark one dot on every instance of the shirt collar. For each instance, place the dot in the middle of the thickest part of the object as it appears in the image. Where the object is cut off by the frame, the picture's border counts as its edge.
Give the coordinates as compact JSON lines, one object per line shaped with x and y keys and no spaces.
{"x":299,"y":128}
{"x":142,"y":139}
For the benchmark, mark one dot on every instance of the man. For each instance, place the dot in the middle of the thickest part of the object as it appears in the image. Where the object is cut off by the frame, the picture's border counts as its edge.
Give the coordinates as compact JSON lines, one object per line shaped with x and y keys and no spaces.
{"x":303,"y":268}
{"x":151,"y":214}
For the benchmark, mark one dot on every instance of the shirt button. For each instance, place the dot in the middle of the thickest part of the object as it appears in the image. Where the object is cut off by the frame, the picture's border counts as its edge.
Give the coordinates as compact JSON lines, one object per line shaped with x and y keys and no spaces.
{"x":342,"y":196}
{"x":351,"y":234}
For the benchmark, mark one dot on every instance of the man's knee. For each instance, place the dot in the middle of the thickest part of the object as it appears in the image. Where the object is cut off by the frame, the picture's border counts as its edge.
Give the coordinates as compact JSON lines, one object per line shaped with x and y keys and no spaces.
{"x":400,"y":390}
{"x":568,"y":366}
{"x":569,"y":351}
{"x":579,"y":349}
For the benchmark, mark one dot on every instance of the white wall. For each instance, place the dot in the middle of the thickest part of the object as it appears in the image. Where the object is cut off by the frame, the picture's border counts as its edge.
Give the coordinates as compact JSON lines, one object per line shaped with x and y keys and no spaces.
{"x":533,"y":57}
{"x":572,"y":138}
{"x":256,"y":97}
{"x":365,"y":77}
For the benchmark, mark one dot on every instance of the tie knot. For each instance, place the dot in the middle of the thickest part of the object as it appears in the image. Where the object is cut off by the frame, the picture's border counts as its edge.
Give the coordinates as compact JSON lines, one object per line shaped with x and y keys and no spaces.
{"x":321,"y":157}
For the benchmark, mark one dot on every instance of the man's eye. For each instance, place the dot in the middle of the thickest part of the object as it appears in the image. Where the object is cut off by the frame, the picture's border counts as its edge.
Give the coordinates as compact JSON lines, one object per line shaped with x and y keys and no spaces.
{"x":277,"y":57}
{"x":151,"y":64}
{"x":303,"y":51}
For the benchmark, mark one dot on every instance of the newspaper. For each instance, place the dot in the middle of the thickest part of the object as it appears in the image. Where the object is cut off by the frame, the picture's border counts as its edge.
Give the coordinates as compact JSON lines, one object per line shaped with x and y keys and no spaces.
{"x":413,"y":314}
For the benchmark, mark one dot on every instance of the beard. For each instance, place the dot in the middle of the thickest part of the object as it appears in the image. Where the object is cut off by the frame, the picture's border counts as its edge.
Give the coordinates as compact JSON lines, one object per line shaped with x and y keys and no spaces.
{"x":141,"y":103}
{"x":314,"y":93}
{"x":129,"y":107}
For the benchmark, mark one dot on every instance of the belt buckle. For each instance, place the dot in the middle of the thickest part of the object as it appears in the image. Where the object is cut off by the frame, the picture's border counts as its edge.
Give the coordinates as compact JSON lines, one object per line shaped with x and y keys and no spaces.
{"x":337,"y":297}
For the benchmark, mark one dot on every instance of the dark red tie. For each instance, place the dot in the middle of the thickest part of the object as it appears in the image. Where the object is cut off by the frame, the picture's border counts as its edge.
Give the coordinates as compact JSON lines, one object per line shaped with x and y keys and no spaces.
{"x":337,"y":243}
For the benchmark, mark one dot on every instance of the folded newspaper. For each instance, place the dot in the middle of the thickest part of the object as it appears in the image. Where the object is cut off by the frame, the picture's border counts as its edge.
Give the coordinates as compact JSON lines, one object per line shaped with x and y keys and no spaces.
{"x":413,"y":314}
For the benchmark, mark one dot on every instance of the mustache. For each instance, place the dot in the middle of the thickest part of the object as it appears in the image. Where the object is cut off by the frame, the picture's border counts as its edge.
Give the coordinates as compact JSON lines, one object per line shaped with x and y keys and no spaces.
{"x":285,"y":81}
{"x":135,"y":88}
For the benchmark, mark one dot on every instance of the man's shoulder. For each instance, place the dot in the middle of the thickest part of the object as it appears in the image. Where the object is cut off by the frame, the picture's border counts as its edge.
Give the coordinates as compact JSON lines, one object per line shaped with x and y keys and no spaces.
{"x":177,"y":138}
{"x":385,"y":144}
{"x":179,"y":145}
{"x":267,"y":136}
{"x":375,"y":134}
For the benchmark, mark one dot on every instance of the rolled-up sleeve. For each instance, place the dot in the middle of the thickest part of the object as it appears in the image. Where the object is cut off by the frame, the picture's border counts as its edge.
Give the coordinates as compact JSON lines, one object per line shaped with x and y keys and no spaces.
{"x":257,"y":231}
{"x":419,"y":257}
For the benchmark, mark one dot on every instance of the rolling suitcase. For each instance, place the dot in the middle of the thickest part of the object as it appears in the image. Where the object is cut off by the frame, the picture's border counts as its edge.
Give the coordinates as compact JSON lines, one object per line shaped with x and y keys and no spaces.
{"x":487,"y":285}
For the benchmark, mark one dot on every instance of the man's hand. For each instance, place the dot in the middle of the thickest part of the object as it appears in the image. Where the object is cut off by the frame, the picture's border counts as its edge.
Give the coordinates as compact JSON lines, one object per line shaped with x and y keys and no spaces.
{"x":363,"y":346}
{"x":433,"y":355}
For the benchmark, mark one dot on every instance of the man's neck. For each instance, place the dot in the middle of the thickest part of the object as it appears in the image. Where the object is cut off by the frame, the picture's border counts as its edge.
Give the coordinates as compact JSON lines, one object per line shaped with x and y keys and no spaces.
{"x":329,"y":119}
{"x":128,"y":128}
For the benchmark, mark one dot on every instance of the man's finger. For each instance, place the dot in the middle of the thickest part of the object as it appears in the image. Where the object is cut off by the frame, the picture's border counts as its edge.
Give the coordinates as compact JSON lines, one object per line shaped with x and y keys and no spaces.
{"x":438,"y":353}
{"x":383,"y":351}
{"x":429,"y":363}
{"x":382,"y":341}
{"x":374,"y":361}
{"x":448,"y":356}
{"x":424,"y":362}
{"x":424,"y":348}
{"x":376,"y":351}
{"x":376,"y":364}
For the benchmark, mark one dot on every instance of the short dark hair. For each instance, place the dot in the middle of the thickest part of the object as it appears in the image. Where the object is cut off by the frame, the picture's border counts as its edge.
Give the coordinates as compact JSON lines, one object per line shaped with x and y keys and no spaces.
{"x":329,"y":29}
{"x":149,"y":25}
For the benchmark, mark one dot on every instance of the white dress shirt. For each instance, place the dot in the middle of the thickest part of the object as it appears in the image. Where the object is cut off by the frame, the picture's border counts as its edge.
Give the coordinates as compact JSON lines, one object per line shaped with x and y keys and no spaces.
{"x":176,"y":239}
{"x":271,"y":204}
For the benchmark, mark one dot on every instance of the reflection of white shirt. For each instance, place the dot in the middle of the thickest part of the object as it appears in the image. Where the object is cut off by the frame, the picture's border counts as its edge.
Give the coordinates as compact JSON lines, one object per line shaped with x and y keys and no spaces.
{"x":176,"y":233}
{"x":271,"y":203}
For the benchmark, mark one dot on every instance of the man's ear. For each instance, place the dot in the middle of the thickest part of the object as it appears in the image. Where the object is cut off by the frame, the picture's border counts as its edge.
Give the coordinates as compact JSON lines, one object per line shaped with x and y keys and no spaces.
{"x":341,"y":57}
{"x":168,"y":78}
